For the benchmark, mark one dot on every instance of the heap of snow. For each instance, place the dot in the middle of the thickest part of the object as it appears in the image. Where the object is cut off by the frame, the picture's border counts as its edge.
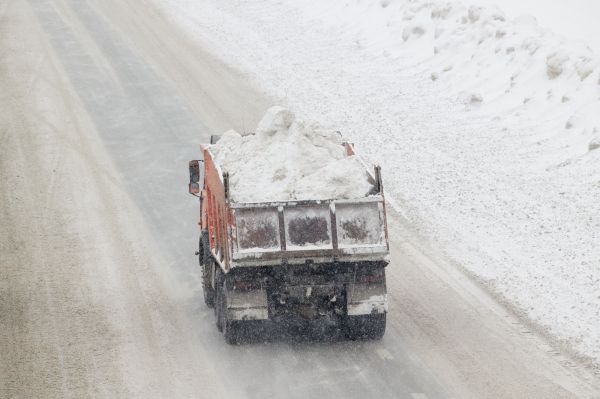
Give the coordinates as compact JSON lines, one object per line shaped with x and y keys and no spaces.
{"x":482,"y":59}
{"x":287,"y":159}
{"x":516,"y":67}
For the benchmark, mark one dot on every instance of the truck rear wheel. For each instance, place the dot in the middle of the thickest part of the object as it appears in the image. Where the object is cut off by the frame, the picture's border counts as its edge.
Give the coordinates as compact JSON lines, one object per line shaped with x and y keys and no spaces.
{"x":207,"y":265}
{"x":207,"y":289}
{"x":219,"y":312}
{"x":231,"y":329}
{"x":371,"y":326}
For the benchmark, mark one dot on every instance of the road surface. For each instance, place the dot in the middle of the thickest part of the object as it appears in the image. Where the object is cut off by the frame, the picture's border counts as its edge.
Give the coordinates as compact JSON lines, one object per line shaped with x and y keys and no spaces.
{"x":102,"y":103}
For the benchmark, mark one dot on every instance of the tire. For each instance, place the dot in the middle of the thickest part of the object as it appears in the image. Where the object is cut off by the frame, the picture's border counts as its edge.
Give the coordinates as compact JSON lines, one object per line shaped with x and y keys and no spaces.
{"x":207,"y":265}
{"x":231,"y":329}
{"x":219,"y":300}
{"x":207,"y":289}
{"x":366,"y":327}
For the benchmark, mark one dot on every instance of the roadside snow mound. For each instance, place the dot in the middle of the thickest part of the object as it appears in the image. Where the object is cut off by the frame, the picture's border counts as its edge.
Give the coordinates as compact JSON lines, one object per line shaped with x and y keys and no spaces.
{"x":287,"y":159}
{"x":484,"y":60}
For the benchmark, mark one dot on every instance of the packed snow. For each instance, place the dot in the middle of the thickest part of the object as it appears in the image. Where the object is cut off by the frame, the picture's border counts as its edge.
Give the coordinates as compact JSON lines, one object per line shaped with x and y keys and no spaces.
{"x":287,"y":159}
{"x":487,"y":128}
{"x":576,"y":20}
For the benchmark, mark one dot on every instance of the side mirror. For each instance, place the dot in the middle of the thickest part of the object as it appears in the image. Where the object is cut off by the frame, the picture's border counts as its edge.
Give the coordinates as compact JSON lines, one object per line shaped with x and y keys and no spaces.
{"x":194,"y":186}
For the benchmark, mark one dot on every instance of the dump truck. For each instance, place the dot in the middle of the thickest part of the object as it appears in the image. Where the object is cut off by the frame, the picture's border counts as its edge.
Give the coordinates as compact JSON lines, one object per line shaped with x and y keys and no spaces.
{"x":299,"y":262}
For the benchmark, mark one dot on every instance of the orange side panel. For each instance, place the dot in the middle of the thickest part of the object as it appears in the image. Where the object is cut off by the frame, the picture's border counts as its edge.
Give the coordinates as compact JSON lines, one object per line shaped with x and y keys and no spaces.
{"x":203,"y":210}
{"x":218,"y":213}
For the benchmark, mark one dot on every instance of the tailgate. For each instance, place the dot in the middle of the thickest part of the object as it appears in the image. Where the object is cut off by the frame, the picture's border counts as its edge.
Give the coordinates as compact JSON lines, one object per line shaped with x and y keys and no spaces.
{"x":320,"y":231}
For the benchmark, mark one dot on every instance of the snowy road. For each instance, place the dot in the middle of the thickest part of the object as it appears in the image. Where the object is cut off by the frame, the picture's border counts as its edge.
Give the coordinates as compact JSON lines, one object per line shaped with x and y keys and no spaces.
{"x":104,"y":103}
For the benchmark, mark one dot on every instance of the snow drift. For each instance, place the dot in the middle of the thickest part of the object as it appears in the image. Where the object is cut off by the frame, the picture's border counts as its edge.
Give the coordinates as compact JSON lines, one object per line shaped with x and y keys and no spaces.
{"x":287,"y":159}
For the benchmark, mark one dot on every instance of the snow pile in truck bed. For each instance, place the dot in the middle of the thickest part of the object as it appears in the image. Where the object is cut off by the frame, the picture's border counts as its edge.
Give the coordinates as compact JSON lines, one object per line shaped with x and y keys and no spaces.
{"x":287,"y":159}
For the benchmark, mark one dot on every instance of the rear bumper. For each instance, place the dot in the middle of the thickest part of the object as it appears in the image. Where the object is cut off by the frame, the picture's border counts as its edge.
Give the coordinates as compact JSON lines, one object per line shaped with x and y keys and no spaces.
{"x":310,"y":293}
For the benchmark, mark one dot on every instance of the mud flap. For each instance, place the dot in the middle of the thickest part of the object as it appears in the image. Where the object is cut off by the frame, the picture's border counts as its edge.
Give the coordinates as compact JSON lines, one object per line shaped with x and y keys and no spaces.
{"x":247,"y":304}
{"x":364,"y":299}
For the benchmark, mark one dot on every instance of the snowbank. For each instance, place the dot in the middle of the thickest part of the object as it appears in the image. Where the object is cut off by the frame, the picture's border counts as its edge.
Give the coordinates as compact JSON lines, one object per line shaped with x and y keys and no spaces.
{"x":287,"y":159}
{"x":574,"y":19}
{"x":509,"y":66}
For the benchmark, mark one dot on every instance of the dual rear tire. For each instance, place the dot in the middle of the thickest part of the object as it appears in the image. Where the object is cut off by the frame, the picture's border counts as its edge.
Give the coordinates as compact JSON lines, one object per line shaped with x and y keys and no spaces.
{"x":207,"y":289}
{"x":365,"y":327}
{"x":231,"y":329}
{"x":207,"y":264}
{"x":216,"y":298}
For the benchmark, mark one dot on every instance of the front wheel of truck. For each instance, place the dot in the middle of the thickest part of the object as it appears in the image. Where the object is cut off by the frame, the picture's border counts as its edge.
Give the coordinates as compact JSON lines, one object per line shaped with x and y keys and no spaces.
{"x":365,"y":327}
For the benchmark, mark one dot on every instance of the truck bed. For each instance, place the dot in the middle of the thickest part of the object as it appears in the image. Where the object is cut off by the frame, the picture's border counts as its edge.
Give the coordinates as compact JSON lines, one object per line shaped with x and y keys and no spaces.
{"x":315,"y":261}
{"x":292,"y":232}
